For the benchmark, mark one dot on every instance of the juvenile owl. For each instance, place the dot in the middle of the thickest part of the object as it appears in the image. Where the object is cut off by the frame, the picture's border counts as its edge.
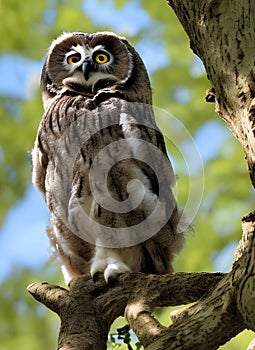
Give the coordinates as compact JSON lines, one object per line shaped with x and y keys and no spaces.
{"x":100,"y":161}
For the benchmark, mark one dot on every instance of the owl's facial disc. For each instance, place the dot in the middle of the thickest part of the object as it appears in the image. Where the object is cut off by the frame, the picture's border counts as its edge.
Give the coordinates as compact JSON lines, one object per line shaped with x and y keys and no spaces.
{"x":88,"y":68}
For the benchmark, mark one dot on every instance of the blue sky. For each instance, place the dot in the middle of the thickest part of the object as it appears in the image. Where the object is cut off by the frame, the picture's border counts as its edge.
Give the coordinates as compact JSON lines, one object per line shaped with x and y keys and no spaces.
{"x":22,"y":236}
{"x":16,"y":82}
{"x":130,"y":18}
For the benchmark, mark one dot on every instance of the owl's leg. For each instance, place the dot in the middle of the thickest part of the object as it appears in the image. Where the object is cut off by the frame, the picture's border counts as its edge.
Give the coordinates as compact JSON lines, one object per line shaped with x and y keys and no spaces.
{"x":112,"y":262}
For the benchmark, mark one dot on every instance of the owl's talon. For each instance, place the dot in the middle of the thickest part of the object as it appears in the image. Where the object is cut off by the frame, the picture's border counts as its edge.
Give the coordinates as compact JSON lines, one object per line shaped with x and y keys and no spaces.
{"x":111,"y":280}
{"x":95,"y":277}
{"x":115,"y":269}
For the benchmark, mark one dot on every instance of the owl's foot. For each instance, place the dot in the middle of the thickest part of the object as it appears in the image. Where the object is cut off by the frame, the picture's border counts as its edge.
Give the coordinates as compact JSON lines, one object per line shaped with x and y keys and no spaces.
{"x":110,"y":266}
{"x":113,"y":270}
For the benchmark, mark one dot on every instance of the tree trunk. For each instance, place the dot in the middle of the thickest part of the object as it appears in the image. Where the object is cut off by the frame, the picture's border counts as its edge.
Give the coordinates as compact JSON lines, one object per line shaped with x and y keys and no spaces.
{"x":222,"y":34}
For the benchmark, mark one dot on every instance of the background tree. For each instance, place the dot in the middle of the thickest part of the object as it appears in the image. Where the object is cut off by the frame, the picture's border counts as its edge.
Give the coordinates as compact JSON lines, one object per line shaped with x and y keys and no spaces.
{"x":179,"y":87}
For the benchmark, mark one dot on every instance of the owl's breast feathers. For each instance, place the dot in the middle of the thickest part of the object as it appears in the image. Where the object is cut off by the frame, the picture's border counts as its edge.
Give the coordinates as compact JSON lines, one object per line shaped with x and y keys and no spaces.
{"x":106,"y":169}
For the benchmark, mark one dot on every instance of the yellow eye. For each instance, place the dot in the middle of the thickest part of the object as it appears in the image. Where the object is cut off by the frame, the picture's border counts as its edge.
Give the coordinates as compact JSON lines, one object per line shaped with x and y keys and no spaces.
{"x":101,"y":58}
{"x":75,"y":58}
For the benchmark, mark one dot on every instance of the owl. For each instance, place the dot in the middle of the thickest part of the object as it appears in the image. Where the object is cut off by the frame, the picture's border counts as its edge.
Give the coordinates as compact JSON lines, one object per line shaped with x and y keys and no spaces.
{"x":100,"y":161}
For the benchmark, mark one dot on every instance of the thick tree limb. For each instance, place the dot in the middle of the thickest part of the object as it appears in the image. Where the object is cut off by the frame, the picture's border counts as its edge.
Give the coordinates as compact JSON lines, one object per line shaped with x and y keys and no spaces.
{"x":83,"y":327}
{"x":225,"y":308}
{"x":88,"y":306}
{"x":244,"y":274}
{"x":225,"y":312}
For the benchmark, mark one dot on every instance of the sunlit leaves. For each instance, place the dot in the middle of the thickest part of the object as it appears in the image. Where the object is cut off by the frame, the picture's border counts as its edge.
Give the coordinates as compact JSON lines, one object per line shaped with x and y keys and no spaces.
{"x":23,"y":322}
{"x":69,"y":17}
{"x":22,"y":26}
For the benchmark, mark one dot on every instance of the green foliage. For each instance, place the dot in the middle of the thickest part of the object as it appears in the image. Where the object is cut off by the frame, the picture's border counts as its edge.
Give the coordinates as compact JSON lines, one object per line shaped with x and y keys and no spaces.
{"x":12,"y":157}
{"x":21,"y":25}
{"x":26,"y":30}
{"x":24,"y":323}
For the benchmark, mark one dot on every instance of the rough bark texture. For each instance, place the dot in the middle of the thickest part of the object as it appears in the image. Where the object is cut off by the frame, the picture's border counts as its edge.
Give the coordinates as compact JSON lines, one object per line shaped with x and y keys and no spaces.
{"x":222,"y":34}
{"x":224,"y":305}
{"x":88,"y":308}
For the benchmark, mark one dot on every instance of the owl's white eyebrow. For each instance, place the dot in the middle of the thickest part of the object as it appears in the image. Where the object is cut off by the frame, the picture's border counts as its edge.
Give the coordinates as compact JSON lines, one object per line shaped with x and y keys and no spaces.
{"x":98,"y":47}
{"x":80,"y":49}
{"x":77,"y":48}
{"x":72,"y":52}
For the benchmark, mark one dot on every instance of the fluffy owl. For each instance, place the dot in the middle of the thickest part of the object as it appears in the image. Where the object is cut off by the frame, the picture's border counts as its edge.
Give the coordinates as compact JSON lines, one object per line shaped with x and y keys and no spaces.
{"x":100,"y":161}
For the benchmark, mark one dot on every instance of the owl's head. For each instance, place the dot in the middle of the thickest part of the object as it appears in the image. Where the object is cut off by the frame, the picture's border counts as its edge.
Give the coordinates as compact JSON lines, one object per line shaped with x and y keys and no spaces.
{"x":89,"y":63}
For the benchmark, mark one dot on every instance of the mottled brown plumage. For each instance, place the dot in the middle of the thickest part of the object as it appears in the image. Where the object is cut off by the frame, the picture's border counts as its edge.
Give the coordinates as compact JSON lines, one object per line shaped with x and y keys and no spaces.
{"x":100,"y":161}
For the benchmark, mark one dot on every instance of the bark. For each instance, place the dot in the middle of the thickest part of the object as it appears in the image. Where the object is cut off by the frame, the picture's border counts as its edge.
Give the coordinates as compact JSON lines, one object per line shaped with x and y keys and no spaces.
{"x":222,"y":34}
{"x":224,"y":305}
{"x":87,"y":309}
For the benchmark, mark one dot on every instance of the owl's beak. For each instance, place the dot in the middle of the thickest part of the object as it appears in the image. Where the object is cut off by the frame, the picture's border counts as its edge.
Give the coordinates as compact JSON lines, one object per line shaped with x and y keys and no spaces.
{"x":86,"y":69}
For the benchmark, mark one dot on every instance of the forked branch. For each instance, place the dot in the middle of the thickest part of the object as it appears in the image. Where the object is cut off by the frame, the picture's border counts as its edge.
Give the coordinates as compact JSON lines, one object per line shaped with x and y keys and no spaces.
{"x":224,"y":304}
{"x":88,"y":308}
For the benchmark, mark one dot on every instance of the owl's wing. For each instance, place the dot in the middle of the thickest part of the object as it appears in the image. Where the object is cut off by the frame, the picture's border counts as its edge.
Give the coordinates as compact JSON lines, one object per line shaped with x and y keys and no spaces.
{"x":40,"y":163}
{"x":55,"y":147}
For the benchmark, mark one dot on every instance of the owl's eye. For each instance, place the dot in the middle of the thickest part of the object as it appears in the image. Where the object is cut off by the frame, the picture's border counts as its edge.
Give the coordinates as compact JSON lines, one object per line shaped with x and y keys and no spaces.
{"x":75,"y":58}
{"x":101,"y":58}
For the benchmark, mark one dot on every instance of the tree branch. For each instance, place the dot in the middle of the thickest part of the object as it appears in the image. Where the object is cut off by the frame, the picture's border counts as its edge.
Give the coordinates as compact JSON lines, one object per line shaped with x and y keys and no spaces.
{"x":225,"y":308}
{"x":244,"y":274}
{"x":88,"y":305}
{"x":83,"y":327}
{"x":225,"y":312}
